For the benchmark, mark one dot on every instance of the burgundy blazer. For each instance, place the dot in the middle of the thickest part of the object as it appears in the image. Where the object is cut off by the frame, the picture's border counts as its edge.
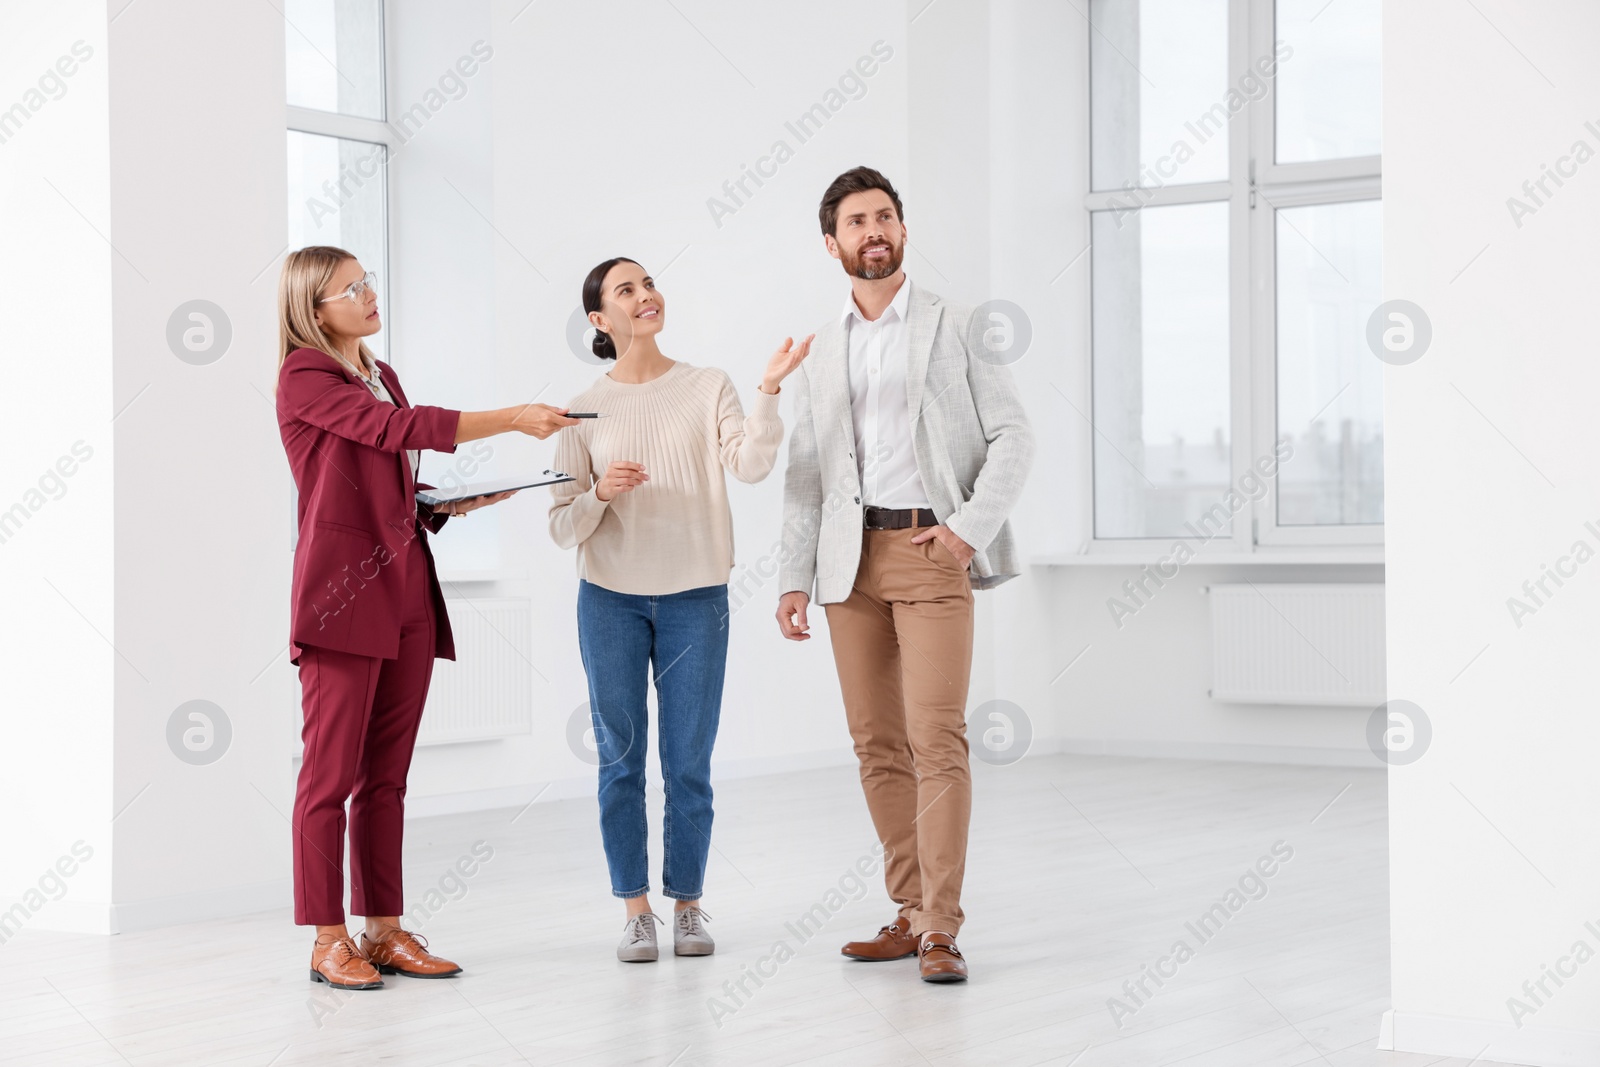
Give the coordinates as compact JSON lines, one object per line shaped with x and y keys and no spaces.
{"x":358,"y":507}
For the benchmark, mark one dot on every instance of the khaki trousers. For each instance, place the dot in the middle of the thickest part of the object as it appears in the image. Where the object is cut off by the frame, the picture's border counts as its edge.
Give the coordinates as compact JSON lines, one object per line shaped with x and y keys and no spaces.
{"x":903,"y":645}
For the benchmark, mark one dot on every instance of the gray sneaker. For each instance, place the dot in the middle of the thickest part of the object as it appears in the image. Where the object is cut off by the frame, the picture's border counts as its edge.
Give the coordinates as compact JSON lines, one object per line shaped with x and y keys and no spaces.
{"x":639,"y":939}
{"x":689,"y":937}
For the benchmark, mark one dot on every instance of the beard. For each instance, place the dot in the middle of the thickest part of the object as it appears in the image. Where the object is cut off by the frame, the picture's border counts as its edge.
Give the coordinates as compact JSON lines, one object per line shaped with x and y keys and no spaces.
{"x":857,"y":264}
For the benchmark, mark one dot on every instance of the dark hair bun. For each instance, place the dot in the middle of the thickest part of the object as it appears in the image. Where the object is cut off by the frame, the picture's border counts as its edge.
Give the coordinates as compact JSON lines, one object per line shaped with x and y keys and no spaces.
{"x":602,"y":345}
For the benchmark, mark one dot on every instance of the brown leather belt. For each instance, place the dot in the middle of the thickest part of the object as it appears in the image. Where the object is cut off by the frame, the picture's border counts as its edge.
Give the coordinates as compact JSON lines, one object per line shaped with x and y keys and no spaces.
{"x":897,"y":519}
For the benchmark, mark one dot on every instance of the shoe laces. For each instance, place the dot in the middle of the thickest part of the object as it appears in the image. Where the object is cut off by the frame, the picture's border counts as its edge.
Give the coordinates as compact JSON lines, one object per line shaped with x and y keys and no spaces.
{"x":343,"y":949}
{"x":639,"y":928}
{"x":416,"y":944}
{"x":688,"y":919}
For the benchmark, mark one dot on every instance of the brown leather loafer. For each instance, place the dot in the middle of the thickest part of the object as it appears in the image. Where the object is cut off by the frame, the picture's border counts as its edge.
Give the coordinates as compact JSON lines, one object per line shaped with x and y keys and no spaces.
{"x":400,"y":951}
{"x":940,"y":959}
{"x":892,"y":942}
{"x":337,"y":961}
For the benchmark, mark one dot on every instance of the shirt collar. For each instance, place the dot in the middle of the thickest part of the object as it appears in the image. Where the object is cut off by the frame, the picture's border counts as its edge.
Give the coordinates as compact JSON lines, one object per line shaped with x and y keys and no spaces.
{"x":898,"y":305}
{"x":371,"y":366}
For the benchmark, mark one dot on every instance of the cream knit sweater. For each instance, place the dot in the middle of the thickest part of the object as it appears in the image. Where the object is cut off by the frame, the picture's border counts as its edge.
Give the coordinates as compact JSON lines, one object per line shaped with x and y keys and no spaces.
{"x":675,"y":531}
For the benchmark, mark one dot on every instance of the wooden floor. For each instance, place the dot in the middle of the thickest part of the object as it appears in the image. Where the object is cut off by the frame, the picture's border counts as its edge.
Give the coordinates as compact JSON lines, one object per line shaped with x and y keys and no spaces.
{"x":1082,"y":871}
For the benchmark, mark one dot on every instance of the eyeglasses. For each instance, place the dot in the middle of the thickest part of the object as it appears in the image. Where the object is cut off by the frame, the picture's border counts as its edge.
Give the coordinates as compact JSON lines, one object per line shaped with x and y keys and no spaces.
{"x":355,"y":290}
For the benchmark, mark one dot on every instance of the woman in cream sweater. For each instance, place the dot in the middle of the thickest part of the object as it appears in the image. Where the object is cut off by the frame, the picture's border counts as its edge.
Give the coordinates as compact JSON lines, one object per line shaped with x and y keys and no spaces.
{"x":648,"y":514}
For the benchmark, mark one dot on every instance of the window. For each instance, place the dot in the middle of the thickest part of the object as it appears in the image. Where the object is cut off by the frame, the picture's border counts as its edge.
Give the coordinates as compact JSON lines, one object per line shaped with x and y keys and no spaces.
{"x":339,"y":141}
{"x":1160,"y":279}
{"x":334,"y":50}
{"x":1236,"y":229}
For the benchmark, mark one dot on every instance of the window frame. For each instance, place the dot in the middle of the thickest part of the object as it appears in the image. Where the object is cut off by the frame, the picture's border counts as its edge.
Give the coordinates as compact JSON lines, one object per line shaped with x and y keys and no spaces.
{"x":378,"y":132}
{"x":1256,"y":187}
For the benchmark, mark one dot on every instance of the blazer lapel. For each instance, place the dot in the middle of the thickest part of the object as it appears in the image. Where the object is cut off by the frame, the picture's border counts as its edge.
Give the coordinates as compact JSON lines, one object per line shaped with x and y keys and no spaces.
{"x":831,"y":386}
{"x":391,"y":383}
{"x":922,"y":320}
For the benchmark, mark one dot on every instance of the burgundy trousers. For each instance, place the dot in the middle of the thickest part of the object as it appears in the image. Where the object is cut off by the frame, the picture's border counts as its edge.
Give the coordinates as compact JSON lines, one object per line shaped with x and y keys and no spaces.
{"x":361,"y":719}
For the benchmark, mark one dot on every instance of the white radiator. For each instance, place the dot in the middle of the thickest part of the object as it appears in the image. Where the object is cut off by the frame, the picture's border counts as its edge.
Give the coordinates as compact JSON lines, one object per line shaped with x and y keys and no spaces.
{"x":488,"y":690}
{"x":1274,"y":643}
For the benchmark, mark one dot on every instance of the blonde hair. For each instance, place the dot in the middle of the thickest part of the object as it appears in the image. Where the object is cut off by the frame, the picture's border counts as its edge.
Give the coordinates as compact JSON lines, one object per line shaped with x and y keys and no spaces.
{"x":305,"y":274}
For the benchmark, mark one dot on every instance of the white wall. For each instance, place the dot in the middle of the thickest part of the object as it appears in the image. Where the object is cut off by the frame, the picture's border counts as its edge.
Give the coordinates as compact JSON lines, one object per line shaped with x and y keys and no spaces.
{"x":56,"y":567}
{"x":197,"y":209}
{"x":981,"y":118}
{"x":1493,"y":863}
{"x":159,"y":575}
{"x":1141,"y":689}
{"x":1034,"y":136}
{"x":614,"y":148}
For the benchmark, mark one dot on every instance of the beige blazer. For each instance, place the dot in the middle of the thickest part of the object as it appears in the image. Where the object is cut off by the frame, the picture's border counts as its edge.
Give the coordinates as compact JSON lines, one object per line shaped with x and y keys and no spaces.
{"x":969,"y":432}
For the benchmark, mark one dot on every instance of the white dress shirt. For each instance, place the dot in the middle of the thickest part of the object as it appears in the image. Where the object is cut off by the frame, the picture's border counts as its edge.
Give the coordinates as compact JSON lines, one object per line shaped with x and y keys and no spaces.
{"x":879,"y":406}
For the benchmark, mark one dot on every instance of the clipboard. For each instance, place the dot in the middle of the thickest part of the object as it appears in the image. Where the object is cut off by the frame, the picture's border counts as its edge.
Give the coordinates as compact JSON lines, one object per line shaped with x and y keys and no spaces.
{"x":434,"y":497}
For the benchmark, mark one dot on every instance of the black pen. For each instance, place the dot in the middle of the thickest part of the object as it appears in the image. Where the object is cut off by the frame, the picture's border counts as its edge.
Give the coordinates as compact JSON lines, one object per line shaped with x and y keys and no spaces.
{"x":586,"y":415}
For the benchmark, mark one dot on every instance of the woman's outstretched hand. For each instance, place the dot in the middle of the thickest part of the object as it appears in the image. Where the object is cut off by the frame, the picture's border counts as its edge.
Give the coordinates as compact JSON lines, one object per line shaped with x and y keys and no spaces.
{"x":541,"y":420}
{"x":473,"y":503}
{"x":783,"y":362}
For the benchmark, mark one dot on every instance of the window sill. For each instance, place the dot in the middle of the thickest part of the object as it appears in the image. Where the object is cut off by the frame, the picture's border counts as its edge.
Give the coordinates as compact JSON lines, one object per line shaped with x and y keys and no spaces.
{"x":1354,"y":556}
{"x":501,"y":574}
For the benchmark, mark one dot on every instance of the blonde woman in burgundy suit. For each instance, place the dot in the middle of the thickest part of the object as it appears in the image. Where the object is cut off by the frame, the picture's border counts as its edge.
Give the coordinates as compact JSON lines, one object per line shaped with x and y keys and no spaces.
{"x":367,"y":618}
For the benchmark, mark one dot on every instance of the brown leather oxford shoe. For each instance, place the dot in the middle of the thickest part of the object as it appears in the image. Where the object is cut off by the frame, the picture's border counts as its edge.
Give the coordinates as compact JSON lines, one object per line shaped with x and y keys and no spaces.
{"x":941,"y":961}
{"x":337,"y":961}
{"x":892,"y":942}
{"x":399,"y":951}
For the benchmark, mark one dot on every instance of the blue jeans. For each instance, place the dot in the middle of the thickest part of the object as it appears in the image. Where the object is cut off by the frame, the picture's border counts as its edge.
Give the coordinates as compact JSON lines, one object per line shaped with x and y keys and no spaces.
{"x":683,"y":639}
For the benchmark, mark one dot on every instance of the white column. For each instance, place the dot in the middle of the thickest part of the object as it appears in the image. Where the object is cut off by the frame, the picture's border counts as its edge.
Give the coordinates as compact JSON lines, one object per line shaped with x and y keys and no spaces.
{"x":1490,"y":480}
{"x":56,"y":481}
{"x":145,"y":551}
{"x":198,"y":194}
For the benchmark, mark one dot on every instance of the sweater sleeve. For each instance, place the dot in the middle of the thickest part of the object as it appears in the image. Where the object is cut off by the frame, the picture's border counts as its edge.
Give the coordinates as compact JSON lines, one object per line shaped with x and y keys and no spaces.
{"x":575,"y":510}
{"x":748,"y":443}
